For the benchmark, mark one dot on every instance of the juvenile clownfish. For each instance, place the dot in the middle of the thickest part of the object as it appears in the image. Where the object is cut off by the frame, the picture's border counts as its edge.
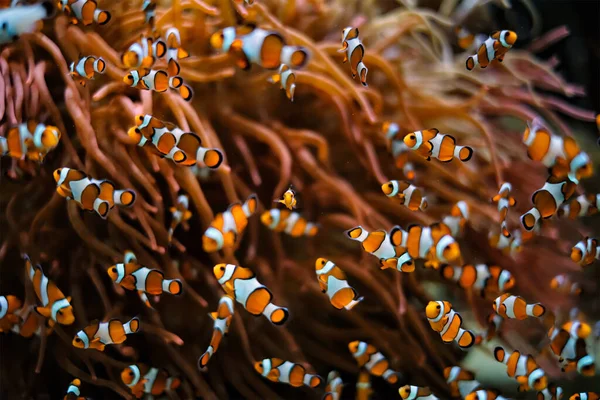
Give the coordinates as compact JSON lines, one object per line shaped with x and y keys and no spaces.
{"x":143,"y":54}
{"x":332,"y":281}
{"x":28,"y":324}
{"x":15,"y":21}
{"x":399,"y":149}
{"x":86,"y":11}
{"x":289,"y":222}
{"x":287,"y":80}
{"x":288,"y":199}
{"x":149,"y":10}
{"x":460,"y":381}
{"x":585,"y":252}
{"x":134,"y":276}
{"x":335,"y":385}
{"x":29,"y":140}
{"x":86,"y":68}
{"x":443,"y":319}
{"x":465,"y":38}
{"x":368,"y":357}
{"x":159,"y":80}
{"x":222,"y":318}
{"x":562,"y":156}
{"x":494,"y":323}
{"x":130,"y":258}
{"x":278,"y":370}
{"x":73,"y":392}
{"x":486,"y":279}
{"x":511,"y":245}
{"x":431,"y":143}
{"x":510,"y":306}
{"x":174,"y":50}
{"x":409,"y":195}
{"x":552,"y":392}
{"x":485,"y":394}
{"x":495,"y":47}
{"x":180,"y":212}
{"x":563,"y":284}
{"x":91,"y":194}
{"x":99,"y":334}
{"x":151,"y":381}
{"x":379,"y":244}
{"x":546,"y":201}
{"x":55,"y":306}
{"x":585,"y":396}
{"x":410,"y":392}
{"x":363,"y":386}
{"x":523,"y":368}
{"x":227,"y":226}
{"x":456,"y":221}
{"x":504,"y":201}
{"x":355,"y":52}
{"x":9,"y":305}
{"x":573,"y":352}
{"x":584,"y":205}
{"x":241,"y":284}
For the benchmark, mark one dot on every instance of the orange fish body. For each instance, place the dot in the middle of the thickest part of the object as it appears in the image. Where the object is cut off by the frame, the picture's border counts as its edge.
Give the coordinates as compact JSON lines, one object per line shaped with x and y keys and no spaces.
{"x":227,"y":226}
{"x":335,"y":385}
{"x":28,"y":325}
{"x":509,"y":245}
{"x":143,"y":54}
{"x":572,"y":351}
{"x":73,"y":392}
{"x":84,"y":11}
{"x":494,"y":48}
{"x":585,"y":396}
{"x":431,"y":143}
{"x":286,"y":79}
{"x":523,"y":368}
{"x":99,"y":334}
{"x":174,"y":49}
{"x":546,"y":202}
{"x":134,"y":276}
{"x":399,"y":150}
{"x":584,"y":205}
{"x":332,"y":281}
{"x":278,"y":370}
{"x":222,"y":318}
{"x":369,"y":358}
{"x":410,"y":392}
{"x":483,"y":278}
{"x":363,"y":386}
{"x":8,"y":316}
{"x":460,"y":381}
{"x":443,"y":319}
{"x":563,"y":284}
{"x":180,"y":212}
{"x":504,"y":201}
{"x":159,"y":80}
{"x":355,"y":52}
{"x":150,"y":381}
{"x":409,"y":195}
{"x":29,"y":140}
{"x":288,"y":199}
{"x":456,"y":221}
{"x":585,"y":252}
{"x":86,"y":68}
{"x":289,"y":222}
{"x":379,"y":244}
{"x":510,"y":306}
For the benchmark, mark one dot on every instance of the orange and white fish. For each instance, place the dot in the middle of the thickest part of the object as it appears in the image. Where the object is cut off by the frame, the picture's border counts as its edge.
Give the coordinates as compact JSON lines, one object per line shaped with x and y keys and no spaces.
{"x":229,"y":225}
{"x":149,"y":10}
{"x":159,"y":80}
{"x":523,"y":368}
{"x":28,"y":324}
{"x":511,"y":245}
{"x":286,"y":79}
{"x":563,"y":284}
{"x":73,"y":392}
{"x":86,"y":68}
{"x":460,"y":381}
{"x":289,"y":222}
{"x":99,"y":334}
{"x":332,"y":281}
{"x":410,"y":392}
{"x":495,"y":47}
{"x":368,"y":357}
{"x":16,"y":21}
{"x":278,"y":370}
{"x":379,"y":244}
{"x":511,"y":306}
{"x":494,"y":323}
{"x":144,"y":53}
{"x":572,"y":351}
{"x":174,"y":50}
{"x":150,"y":381}
{"x":335,"y":385}
{"x":504,"y":201}
{"x":585,"y":252}
{"x":448,"y":323}
{"x":363,"y":386}
{"x":288,"y":199}
{"x":55,"y":306}
{"x":86,"y":11}
{"x":9,"y":305}
{"x":134,"y":276}
{"x":180,"y":213}
{"x":456,"y":221}
{"x":465,"y":39}
{"x":409,"y":195}
{"x":222,"y":318}
{"x":431,"y":143}
{"x":485,"y":394}
{"x":552,"y":392}
{"x":577,"y":328}
{"x":30,"y":140}
{"x":546,"y":201}
{"x":130,"y":258}
{"x":585,"y":396}
{"x":355,"y":52}
{"x":241,"y":284}
{"x":91,"y":194}
{"x":584,"y":205}
{"x":399,"y":149}
{"x":486,"y":279}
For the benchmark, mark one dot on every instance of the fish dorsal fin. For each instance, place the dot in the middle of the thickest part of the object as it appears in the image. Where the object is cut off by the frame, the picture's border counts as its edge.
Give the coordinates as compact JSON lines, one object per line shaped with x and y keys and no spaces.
{"x":429,"y":134}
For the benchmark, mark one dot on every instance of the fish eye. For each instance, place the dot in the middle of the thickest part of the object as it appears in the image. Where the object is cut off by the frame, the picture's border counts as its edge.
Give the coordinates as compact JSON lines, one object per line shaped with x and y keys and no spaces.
{"x":260,"y":364}
{"x":412,"y":137}
{"x":129,"y":76}
{"x":222,"y":268}
{"x":5,"y":26}
{"x":322,"y":262}
{"x":130,"y":373}
{"x":438,"y":307}
{"x":113,"y":269}
{"x":60,"y":312}
{"x":390,"y":185}
{"x":77,"y":340}
{"x":410,"y":263}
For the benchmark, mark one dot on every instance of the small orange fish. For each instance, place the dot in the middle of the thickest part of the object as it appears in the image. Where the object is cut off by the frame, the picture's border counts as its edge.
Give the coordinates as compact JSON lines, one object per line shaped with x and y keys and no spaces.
{"x":278,"y":370}
{"x":99,"y":334}
{"x":227,"y":226}
{"x":335,"y":385}
{"x":585,"y":252}
{"x":174,"y":49}
{"x":486,"y":279}
{"x":355,"y":52}
{"x":458,"y":218}
{"x":584,"y":205}
{"x":504,"y":201}
{"x":151,"y":381}
{"x":443,"y":319}
{"x":289,"y":199}
{"x":511,"y":245}
{"x":546,"y":201}
{"x":409,"y":195}
{"x":222,"y":318}
{"x":134,"y":276}
{"x":363,"y":385}
{"x":180,"y":213}
{"x":465,"y":38}
{"x":495,"y":47}
{"x":159,"y":80}
{"x":368,"y":357}
{"x":144,"y":53}
{"x":332,"y":281}
{"x":84,"y":11}
{"x":523,"y":368}
{"x":29,"y":140}
{"x":73,"y":392}
{"x":287,"y":80}
{"x":431,"y":143}
{"x":460,"y":381}
{"x":9,"y":305}
{"x":510,"y":306}
{"x":86,"y":68}
{"x":411,"y":392}
{"x":289,"y":222}
{"x":572,"y":351}
{"x":585,"y":396}
{"x":563,"y":284}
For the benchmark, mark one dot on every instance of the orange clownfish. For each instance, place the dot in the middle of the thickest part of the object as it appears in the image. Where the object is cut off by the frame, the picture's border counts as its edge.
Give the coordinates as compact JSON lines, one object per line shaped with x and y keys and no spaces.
{"x":229,"y":225}
{"x":379,"y":244}
{"x":582,"y":206}
{"x":355,"y":52}
{"x":363,"y":386}
{"x":504,"y":201}
{"x":456,"y":221}
{"x":465,"y":38}
{"x":73,"y":392}
{"x":486,"y":279}
{"x":332,"y":281}
{"x":151,"y":381}
{"x":494,"y":323}
{"x":409,"y":195}
{"x":585,"y":252}
{"x":510,"y":306}
{"x":86,"y":11}
{"x":159,"y":80}
{"x":546,"y":201}
{"x":29,"y":140}
{"x":149,"y":10}
{"x":410,"y":392}
{"x":86,"y":68}
{"x":460,"y":381}
{"x":241,"y":284}
{"x":573,"y":352}
{"x":287,"y":80}
{"x":174,"y":50}
{"x":485,"y":394}
{"x":523,"y":368}
{"x":55,"y":306}
{"x":99,"y":334}
{"x":180,"y":212}
{"x":143,"y":54}
{"x":289,"y":222}
{"x":28,"y":324}
{"x":335,"y":385}
{"x":134,"y":276}
{"x":368,"y":357}
{"x":91,"y":194}
{"x":585,"y":396}
{"x":552,"y":392}
{"x":495,"y":47}
{"x":509,"y":245}
{"x":399,"y":149}
{"x":222,"y":318}
{"x":8,"y":316}
{"x":278,"y":370}
{"x":563,"y":284}
{"x":431,"y":143}
{"x":288,"y":199}
{"x":443,"y":319}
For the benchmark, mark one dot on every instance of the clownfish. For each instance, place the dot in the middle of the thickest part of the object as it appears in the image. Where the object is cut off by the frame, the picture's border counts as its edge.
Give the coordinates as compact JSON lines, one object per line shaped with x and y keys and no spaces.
{"x":510,"y":306}
{"x":28,"y":324}
{"x":222,"y":318}
{"x":180,"y":212}
{"x":134,"y":276}
{"x":546,"y":201}
{"x":495,"y":47}
{"x":8,"y":317}
{"x":585,"y":396}
{"x":17,"y":20}
{"x":278,"y":370}
{"x":504,"y":201}
{"x":399,"y":150}
{"x":368,"y":357}
{"x":86,"y":11}
{"x":431,"y":143}
{"x":443,"y":319}
{"x":410,"y":392}
{"x":130,"y":258}
{"x":363,"y":386}
{"x":355,"y":52}
{"x":143,"y":54}
{"x":456,"y":221}
{"x":91,"y":194}
{"x":229,"y":225}
{"x":159,"y":80}
{"x":29,"y":140}
{"x":335,"y":385}
{"x":288,"y":199}
{"x":86,"y":68}
{"x":509,"y":245}
{"x":485,"y":394}
{"x":379,"y":244}
{"x":99,"y":334}
{"x":241,"y":284}
{"x":563,"y":284}
{"x":460,"y":381}
{"x":55,"y":306}
{"x":151,"y":381}
{"x":585,"y":252}
{"x":485,"y":279}
{"x":73,"y":392}
{"x":572,"y":350}
{"x":578,"y":329}
{"x":494,"y":323}
{"x":174,"y":50}
{"x":465,"y":39}
{"x":584,"y":205}
{"x":149,"y":10}
{"x":287,"y":80}
{"x":523,"y":368}
{"x":409,"y":195}
{"x":552,"y":392}
{"x":562,"y":156}
{"x":332,"y":281}
{"x":289,"y":222}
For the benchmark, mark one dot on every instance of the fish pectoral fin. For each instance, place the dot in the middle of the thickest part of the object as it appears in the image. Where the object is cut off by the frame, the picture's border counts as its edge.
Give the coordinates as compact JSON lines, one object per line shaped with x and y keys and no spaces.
{"x":129,"y":282}
{"x":229,"y":287}
{"x":43,"y":311}
{"x":94,"y":340}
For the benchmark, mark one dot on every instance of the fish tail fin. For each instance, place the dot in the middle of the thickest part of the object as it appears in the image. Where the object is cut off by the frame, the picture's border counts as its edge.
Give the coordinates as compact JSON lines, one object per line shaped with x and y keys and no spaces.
{"x":250,"y":205}
{"x":172,"y":286}
{"x":205,"y":358}
{"x":124,"y":197}
{"x":312,"y":380}
{"x":463,"y":153}
{"x":353,"y":303}
{"x":100,"y":65}
{"x":186,"y":92}
{"x":101,"y":207}
{"x":530,"y":219}
{"x":175,"y":82}
{"x":472,"y":63}
{"x":499,"y":354}
{"x":277,"y":315}
{"x":535,"y":310}
{"x":101,"y":17}
{"x":132,"y":326}
{"x":212,"y":158}
{"x":466,"y":338}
